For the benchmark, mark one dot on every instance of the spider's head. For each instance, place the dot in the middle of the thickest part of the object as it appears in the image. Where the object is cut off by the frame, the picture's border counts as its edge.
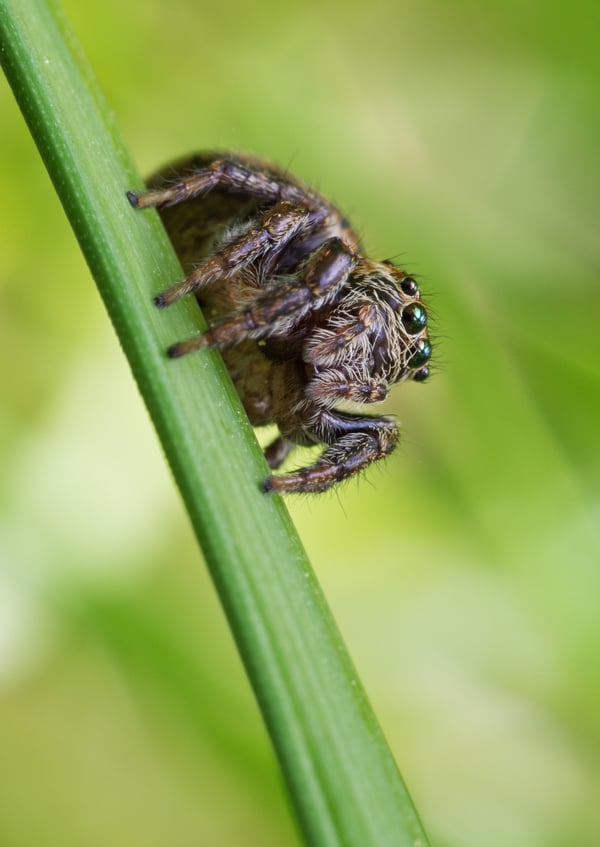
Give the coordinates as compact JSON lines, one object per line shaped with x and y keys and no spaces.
{"x":375,"y":330}
{"x":402,"y":339}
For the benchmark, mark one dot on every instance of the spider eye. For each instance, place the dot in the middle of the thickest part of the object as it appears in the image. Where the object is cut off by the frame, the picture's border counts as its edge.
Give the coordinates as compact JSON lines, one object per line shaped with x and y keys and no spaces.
{"x":414,"y":318}
{"x":422,"y":354}
{"x":410,"y":287}
{"x":421,"y":375}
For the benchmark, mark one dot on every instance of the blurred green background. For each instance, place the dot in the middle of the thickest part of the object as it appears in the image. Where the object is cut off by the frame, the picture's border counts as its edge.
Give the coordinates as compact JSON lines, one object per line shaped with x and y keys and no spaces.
{"x":463,"y":140}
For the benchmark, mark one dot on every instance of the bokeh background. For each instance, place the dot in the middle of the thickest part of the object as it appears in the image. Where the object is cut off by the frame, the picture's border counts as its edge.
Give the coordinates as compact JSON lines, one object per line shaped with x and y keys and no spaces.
{"x":463,"y":140}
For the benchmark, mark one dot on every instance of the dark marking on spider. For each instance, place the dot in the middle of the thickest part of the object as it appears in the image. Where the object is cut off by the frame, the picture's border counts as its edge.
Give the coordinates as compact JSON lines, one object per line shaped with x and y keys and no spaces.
{"x":304,"y":320}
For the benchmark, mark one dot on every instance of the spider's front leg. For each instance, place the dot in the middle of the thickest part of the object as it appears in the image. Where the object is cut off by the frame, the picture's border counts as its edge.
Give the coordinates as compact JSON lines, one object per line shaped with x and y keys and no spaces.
{"x":275,"y":310}
{"x":354,"y":443}
{"x":333,"y":385}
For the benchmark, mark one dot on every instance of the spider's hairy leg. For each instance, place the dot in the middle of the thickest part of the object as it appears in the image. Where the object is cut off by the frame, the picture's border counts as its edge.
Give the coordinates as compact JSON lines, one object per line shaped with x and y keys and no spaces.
{"x":228,"y":175}
{"x":277,"y":226}
{"x":328,"y":347}
{"x":317,"y":282}
{"x":277,"y":452}
{"x":332,"y":386}
{"x":354,"y":443}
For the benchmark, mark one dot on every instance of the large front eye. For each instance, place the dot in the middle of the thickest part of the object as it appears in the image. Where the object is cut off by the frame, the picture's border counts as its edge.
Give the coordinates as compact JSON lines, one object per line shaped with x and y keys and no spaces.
{"x":422,"y":354}
{"x":414,"y":318}
{"x":409,"y":286}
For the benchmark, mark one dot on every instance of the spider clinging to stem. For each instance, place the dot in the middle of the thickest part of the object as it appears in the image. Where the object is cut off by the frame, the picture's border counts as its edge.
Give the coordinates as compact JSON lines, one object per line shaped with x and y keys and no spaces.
{"x":304,"y":320}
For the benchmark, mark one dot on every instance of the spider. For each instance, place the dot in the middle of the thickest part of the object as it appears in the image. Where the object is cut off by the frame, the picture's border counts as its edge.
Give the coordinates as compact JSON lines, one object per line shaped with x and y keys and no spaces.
{"x":304,"y":320}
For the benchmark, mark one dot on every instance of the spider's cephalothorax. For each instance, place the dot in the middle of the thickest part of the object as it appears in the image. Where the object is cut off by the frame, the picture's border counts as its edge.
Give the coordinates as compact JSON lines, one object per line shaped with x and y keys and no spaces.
{"x":304,"y":320}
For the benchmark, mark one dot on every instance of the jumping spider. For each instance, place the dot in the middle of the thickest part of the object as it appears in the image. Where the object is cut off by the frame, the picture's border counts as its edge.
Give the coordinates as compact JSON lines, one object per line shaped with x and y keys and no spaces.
{"x":304,"y":320}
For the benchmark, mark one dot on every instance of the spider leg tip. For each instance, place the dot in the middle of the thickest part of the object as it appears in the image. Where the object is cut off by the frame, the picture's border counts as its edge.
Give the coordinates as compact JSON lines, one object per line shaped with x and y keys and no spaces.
{"x":267,"y":485}
{"x":160,"y":301}
{"x":133,"y":198}
{"x":175,"y":351}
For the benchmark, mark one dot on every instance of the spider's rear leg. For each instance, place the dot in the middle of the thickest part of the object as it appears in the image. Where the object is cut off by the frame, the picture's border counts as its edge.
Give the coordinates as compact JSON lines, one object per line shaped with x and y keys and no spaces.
{"x":277,"y":226}
{"x":228,"y":175}
{"x":276,"y":309}
{"x":277,"y":452}
{"x":360,"y":442}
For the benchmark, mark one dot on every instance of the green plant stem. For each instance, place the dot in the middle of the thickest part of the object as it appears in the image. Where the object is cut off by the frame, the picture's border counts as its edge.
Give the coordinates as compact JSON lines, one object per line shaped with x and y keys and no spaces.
{"x":341,"y":775}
